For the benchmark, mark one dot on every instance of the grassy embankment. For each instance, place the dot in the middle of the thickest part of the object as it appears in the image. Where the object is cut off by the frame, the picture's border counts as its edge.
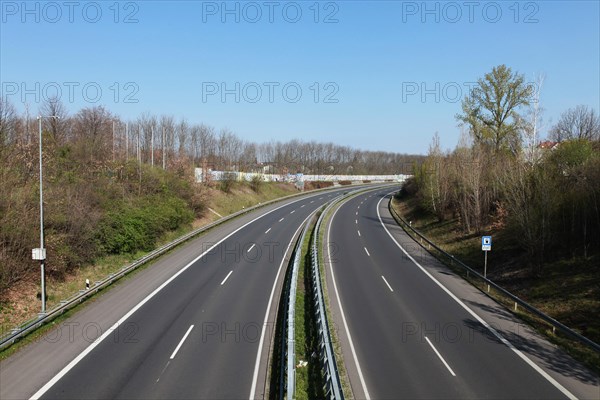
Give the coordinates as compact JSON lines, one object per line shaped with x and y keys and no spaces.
{"x":21,"y":303}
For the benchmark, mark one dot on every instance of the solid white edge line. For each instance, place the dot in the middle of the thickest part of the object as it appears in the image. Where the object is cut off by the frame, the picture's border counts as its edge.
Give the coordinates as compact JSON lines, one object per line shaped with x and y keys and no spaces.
{"x":518,"y":352}
{"x":116,"y":325}
{"x":181,"y":342}
{"x":227,"y":277}
{"x":264,"y":328}
{"x":367,"y":251}
{"x":251,"y":247}
{"x":337,"y":295}
{"x":386,"y":282}
{"x":440,"y":356}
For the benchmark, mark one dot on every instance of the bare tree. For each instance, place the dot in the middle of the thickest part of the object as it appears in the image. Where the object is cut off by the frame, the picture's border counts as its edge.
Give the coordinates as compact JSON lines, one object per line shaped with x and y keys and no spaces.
{"x":529,"y":198}
{"x":228,"y":148}
{"x":167,"y":132}
{"x":437,"y":181}
{"x":8,"y":118}
{"x":533,"y":121}
{"x":93,"y":126}
{"x":248,"y":156}
{"x":580,"y":122}
{"x":182,"y":137}
{"x":56,"y":126}
{"x":207,"y":144}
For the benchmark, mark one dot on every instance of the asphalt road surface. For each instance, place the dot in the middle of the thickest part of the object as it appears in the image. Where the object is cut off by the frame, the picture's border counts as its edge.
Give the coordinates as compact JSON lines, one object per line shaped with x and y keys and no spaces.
{"x":195,"y":325}
{"x":418,"y":331}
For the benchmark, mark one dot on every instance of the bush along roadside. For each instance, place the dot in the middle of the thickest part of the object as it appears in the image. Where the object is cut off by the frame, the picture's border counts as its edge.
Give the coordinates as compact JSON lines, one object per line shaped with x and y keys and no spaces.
{"x":137,"y":226}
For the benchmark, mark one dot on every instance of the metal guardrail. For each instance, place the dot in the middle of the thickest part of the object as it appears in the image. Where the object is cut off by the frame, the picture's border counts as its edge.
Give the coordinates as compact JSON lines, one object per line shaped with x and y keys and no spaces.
{"x":290,"y":318}
{"x":453,"y":260}
{"x":288,"y":351}
{"x":24,"y":329}
{"x":333,"y":387}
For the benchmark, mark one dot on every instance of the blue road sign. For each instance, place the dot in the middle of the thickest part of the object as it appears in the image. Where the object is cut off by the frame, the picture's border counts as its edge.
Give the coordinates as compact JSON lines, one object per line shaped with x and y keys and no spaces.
{"x":486,"y":243}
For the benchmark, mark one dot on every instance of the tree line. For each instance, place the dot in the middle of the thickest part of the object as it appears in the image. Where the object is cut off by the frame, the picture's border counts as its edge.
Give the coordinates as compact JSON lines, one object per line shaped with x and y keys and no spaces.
{"x":500,"y":175}
{"x":166,"y":142}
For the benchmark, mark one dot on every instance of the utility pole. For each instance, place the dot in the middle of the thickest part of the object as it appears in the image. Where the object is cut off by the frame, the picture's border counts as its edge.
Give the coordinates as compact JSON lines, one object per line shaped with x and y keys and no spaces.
{"x":163,"y":148}
{"x":27,"y":123}
{"x":40,"y":254}
{"x":113,"y":140}
{"x":152,"y":146}
{"x":139,"y":152}
{"x":126,"y":141}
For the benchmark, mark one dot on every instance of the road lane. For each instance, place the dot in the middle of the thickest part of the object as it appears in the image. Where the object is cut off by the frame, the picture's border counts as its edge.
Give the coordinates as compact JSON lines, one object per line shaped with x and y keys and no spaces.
{"x":411,"y":338}
{"x":228,"y":316}
{"x":218,"y":357}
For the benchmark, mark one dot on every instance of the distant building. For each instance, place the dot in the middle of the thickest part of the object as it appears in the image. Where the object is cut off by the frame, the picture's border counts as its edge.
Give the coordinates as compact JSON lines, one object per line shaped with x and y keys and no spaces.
{"x":548,"y":145}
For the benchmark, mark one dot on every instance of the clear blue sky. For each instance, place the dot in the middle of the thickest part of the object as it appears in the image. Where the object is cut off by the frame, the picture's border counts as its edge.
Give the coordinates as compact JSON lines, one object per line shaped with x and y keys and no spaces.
{"x":373,"y":57}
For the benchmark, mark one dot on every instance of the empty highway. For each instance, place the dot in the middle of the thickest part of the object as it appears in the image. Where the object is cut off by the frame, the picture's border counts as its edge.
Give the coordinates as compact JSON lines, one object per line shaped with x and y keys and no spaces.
{"x":197,"y":324}
{"x":411,"y":329}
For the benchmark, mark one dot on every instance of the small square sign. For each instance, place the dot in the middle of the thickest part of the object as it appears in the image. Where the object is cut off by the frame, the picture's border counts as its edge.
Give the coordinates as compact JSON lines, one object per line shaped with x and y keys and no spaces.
{"x":486,"y":243}
{"x":38,"y":254}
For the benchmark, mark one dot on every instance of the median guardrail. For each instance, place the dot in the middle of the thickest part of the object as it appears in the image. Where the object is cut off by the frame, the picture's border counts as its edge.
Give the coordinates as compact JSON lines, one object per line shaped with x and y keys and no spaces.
{"x":556,"y":325}
{"x":333,"y":389}
{"x":333,"y":384}
{"x":287,"y":373}
{"x":288,"y":367}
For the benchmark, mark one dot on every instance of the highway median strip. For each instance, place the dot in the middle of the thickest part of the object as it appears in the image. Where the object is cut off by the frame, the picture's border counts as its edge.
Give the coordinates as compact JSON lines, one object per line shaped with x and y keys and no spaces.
{"x":310,"y":369}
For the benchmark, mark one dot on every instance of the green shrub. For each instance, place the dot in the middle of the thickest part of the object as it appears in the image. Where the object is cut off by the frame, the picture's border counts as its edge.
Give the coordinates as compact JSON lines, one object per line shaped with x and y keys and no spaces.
{"x":229,"y":179}
{"x":137,"y":226}
{"x":256,"y":183}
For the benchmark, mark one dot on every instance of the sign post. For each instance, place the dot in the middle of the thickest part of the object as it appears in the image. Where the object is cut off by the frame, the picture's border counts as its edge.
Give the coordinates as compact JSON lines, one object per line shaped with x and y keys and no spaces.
{"x":486,"y":245}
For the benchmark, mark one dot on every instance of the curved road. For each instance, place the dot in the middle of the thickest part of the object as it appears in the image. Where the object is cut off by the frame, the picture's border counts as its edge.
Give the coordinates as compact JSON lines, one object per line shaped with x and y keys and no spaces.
{"x":411,"y":329}
{"x":196,"y":324}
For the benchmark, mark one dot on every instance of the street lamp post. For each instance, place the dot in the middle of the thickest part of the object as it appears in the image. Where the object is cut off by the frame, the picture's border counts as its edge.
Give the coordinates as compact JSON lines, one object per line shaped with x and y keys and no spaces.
{"x":41,"y":254}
